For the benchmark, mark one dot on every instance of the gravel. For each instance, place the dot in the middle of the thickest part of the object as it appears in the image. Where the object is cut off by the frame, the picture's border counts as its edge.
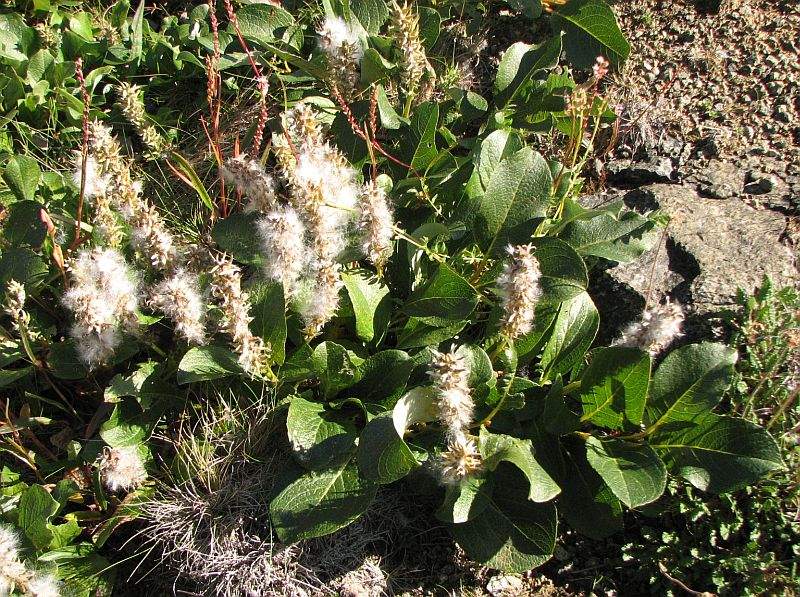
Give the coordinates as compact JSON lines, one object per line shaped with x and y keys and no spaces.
{"x":725,"y":80}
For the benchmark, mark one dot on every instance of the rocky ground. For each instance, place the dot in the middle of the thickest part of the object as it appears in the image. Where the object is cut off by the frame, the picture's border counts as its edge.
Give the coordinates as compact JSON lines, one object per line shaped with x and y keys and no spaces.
{"x":710,"y":104}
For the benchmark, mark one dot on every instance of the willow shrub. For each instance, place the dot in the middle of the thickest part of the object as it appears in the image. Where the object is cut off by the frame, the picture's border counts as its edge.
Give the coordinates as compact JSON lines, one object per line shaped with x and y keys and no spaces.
{"x":449,"y":364}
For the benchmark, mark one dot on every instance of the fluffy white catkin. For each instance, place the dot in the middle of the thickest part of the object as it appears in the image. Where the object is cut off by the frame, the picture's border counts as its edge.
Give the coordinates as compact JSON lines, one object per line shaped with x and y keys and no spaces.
{"x":226,"y":286}
{"x":14,"y":575}
{"x":11,"y":569}
{"x":324,"y":192}
{"x":656,"y":330}
{"x":460,"y":460}
{"x":122,"y":469}
{"x":179,"y":297}
{"x":341,"y":44}
{"x":103,"y":296}
{"x":43,"y":585}
{"x":375,"y":225}
{"x":282,"y":242}
{"x":450,"y":376}
{"x":149,"y":233}
{"x":250,"y":178}
{"x":520,"y":291}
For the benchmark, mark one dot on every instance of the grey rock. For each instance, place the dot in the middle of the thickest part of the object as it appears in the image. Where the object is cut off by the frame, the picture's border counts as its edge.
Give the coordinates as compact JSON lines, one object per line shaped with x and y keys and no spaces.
{"x":712,"y":248}
{"x":629,"y":173}
{"x":721,"y":180}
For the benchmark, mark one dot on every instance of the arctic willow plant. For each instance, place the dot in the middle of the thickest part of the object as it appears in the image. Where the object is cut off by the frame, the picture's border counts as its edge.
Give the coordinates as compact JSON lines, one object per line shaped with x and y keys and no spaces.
{"x":399,"y":285}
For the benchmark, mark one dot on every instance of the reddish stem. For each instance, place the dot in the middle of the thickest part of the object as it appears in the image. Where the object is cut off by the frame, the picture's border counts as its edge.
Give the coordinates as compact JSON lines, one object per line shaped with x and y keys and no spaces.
{"x":84,"y":148}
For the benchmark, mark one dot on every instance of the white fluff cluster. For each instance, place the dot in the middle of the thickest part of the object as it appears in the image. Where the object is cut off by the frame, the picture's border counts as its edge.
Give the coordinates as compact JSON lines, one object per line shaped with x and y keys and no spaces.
{"x":95,"y":183}
{"x":15,"y":305}
{"x":179,"y":297}
{"x":149,"y":233}
{"x":11,"y":569}
{"x":282,"y":234}
{"x":249,"y":178}
{"x":376,"y":225}
{"x":44,"y":585}
{"x":450,"y":376}
{"x":460,"y":460}
{"x":103,"y":296}
{"x":656,"y":330}
{"x":324,"y":192}
{"x":342,"y":46}
{"x":227,"y":287}
{"x":122,"y":469}
{"x":14,"y":575}
{"x":335,"y":34}
{"x":520,"y":290}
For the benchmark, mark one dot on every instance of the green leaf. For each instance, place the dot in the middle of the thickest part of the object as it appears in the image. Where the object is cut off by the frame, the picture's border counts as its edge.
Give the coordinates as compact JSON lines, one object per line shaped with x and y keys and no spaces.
{"x":383,"y":376}
{"x":186,"y":168}
{"x":375,"y":68}
{"x":418,"y":139}
{"x":614,"y":387}
{"x":689,"y":382}
{"x":37,"y":66}
{"x":717,"y":453}
{"x":23,"y":265}
{"x":372,"y":14}
{"x":511,"y":534}
{"x":334,"y":367}
{"x":22,"y":175}
{"x":564,"y":274}
{"x":81,"y":568}
{"x":24,"y":225}
{"x":588,"y":504}
{"x":496,"y":147}
{"x":36,"y":508}
{"x":430,"y":25}
{"x":64,"y":534}
{"x":390,"y":119}
{"x":416,"y":406}
{"x":466,"y":500}
{"x":496,"y":448}
{"x":10,"y":376}
{"x":204,"y":363}
{"x":258,"y":22}
{"x":320,"y":437}
{"x":143,"y":384}
{"x":518,"y":191}
{"x":371,"y":303}
{"x":127,"y":426}
{"x":383,"y":455}
{"x":621,"y":239}
{"x":519,"y":63}
{"x":320,"y":503}
{"x":634,"y":472}
{"x":137,"y":24}
{"x":591,"y":30}
{"x":478,"y":364}
{"x":443,"y":300}
{"x":572,"y":334}
{"x":64,"y":363}
{"x":268,"y":309}
{"x":417,"y":333}
{"x":238,"y":235}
